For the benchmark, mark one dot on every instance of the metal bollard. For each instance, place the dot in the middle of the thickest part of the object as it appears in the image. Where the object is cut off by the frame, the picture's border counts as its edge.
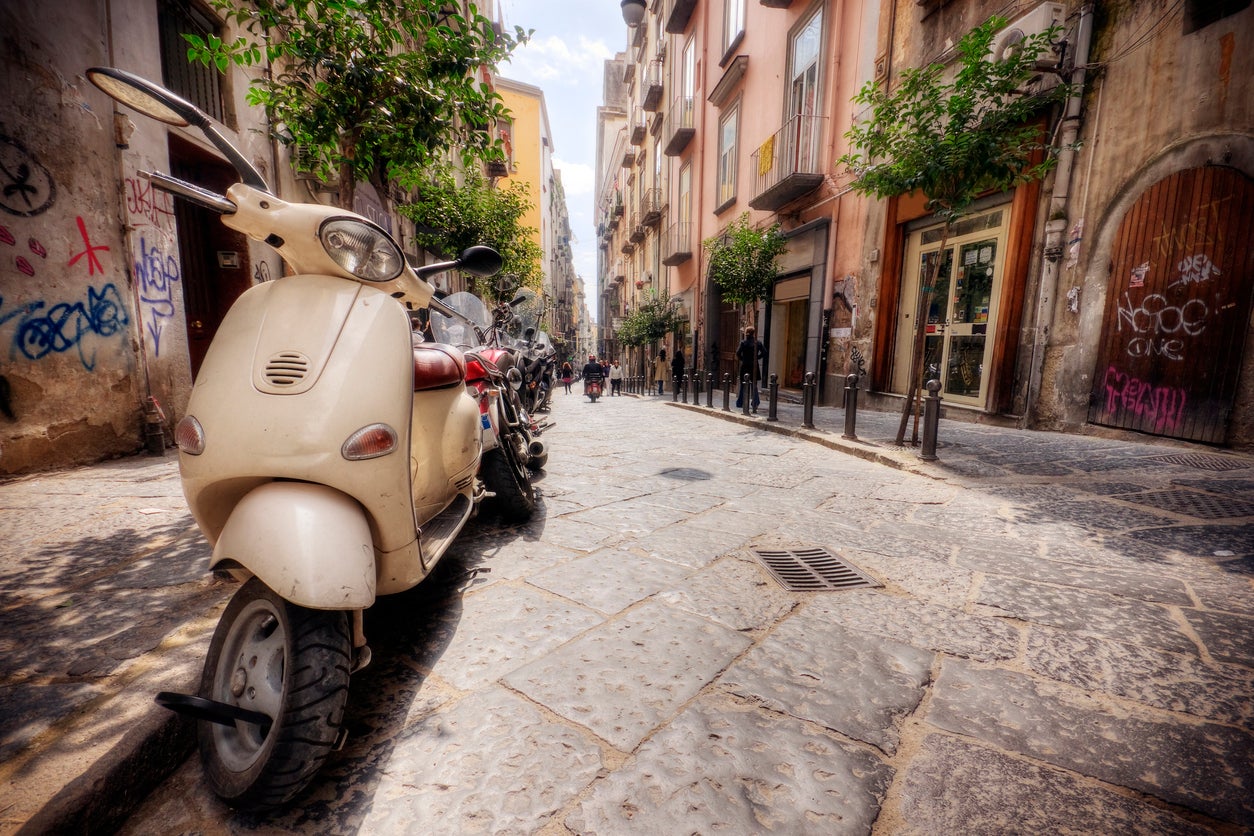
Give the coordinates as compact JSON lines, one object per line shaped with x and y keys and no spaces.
{"x":709,"y":390}
{"x":684,"y":393}
{"x":807,"y":401}
{"x":851,"y":407}
{"x":727,"y":391}
{"x":772,"y":408}
{"x":931,"y":420}
{"x":745,"y":395}
{"x":675,"y":384}
{"x":696,"y":388}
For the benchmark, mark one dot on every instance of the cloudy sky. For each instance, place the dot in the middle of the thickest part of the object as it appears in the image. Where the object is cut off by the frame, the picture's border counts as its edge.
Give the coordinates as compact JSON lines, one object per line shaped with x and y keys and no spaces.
{"x":565,"y":59}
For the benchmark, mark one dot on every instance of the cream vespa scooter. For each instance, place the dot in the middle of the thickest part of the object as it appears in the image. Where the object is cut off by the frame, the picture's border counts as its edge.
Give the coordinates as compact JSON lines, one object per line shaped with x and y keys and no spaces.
{"x":327,"y":454}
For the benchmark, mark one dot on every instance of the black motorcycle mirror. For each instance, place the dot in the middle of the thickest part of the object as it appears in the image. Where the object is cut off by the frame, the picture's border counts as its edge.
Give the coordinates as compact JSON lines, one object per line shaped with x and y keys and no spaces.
{"x":156,"y":102}
{"x":481,"y":260}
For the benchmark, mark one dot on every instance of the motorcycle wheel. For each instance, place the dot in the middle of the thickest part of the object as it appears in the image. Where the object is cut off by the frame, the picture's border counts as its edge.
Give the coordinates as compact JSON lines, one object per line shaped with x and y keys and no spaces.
{"x":593,"y":397}
{"x":505,"y":476}
{"x":290,"y":663}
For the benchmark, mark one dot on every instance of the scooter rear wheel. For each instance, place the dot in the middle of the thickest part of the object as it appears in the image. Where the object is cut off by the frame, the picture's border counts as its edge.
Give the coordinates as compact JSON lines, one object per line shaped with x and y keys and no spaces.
{"x":285,"y":661}
{"x":505,"y":476}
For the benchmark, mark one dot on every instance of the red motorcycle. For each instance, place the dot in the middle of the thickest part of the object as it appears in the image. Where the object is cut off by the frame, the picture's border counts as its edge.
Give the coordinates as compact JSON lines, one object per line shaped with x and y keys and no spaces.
{"x":592,"y":388}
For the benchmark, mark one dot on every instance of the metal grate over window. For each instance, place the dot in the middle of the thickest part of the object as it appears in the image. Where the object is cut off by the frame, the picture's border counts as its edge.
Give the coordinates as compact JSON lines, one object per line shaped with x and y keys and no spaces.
{"x":811,"y":570}
{"x":199,"y":84}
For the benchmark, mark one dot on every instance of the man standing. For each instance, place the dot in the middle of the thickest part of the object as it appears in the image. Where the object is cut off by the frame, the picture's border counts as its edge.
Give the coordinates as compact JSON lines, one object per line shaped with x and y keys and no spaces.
{"x":750,"y":353}
{"x":616,"y":378}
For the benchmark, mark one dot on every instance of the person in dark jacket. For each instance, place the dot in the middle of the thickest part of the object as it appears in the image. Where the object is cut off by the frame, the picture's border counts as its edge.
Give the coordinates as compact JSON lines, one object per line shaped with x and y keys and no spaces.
{"x":750,"y":353}
{"x":677,"y":368}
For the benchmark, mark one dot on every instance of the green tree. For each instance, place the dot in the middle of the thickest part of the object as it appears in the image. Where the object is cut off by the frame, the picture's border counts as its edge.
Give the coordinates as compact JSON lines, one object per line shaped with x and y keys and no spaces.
{"x":742,"y":261}
{"x":376,"y":90}
{"x":953,"y":140}
{"x":451,"y":217}
{"x":651,"y":321}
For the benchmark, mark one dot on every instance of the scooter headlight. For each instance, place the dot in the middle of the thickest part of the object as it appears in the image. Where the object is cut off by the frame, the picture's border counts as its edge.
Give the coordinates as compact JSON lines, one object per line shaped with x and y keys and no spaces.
{"x":362,"y":249}
{"x":190,"y":436}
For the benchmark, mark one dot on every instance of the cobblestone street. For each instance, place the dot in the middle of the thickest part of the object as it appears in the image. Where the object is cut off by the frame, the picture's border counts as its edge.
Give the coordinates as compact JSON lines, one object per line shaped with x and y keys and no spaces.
{"x":1038,"y":658}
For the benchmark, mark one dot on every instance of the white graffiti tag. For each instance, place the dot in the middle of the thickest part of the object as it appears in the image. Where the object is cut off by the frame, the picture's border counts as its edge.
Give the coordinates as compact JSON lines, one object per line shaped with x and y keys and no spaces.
{"x":1196,"y":269}
{"x":1158,"y":328}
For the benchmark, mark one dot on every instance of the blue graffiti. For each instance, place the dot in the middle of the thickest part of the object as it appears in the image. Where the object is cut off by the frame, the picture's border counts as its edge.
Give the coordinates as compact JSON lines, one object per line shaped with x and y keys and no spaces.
{"x":156,"y":273}
{"x":64,"y":326}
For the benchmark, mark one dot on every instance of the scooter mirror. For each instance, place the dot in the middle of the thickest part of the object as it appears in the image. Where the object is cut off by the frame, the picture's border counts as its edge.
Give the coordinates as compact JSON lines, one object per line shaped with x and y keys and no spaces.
{"x":145,"y":97}
{"x":480,"y":260}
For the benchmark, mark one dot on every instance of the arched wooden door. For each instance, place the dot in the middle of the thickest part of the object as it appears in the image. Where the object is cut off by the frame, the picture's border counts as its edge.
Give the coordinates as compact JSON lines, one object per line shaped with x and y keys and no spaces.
{"x":1176,"y":311}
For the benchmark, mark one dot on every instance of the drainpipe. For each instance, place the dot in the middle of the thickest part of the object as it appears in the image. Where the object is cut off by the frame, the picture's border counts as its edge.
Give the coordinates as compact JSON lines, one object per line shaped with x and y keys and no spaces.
{"x":1056,"y":225}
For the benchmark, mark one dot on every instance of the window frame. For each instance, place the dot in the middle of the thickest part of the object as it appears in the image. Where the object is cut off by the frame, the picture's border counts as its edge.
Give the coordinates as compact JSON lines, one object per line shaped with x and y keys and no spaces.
{"x":728,"y":159}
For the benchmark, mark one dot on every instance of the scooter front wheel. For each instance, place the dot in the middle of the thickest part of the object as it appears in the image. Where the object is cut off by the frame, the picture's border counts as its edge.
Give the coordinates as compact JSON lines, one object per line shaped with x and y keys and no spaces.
{"x":289,"y":663}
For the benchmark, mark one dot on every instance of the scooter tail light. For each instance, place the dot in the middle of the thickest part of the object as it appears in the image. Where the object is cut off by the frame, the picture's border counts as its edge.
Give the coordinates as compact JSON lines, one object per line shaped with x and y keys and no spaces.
{"x":370,"y":442}
{"x":190,"y":436}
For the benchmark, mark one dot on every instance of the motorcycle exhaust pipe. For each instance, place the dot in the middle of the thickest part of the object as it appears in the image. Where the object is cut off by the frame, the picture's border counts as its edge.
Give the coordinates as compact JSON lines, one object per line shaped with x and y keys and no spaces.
{"x":536,"y":448}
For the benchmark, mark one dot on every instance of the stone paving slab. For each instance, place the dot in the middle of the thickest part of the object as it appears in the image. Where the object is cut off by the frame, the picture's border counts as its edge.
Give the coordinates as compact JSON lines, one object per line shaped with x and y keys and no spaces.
{"x":724,"y":766}
{"x":954,"y":787}
{"x":1204,"y":766}
{"x":1170,"y":681}
{"x":1085,"y":611}
{"x":585,"y":579}
{"x":734,"y":592}
{"x":630,"y":675}
{"x":862,"y":687}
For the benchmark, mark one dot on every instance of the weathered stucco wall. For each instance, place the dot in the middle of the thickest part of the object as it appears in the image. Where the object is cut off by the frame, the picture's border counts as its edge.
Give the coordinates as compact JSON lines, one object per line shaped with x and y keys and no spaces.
{"x":93,"y":327}
{"x":1179,"y":101}
{"x":68,"y":315}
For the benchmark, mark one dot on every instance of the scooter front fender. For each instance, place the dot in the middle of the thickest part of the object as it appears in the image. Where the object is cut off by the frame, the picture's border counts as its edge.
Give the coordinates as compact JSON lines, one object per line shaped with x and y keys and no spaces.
{"x":309,"y":543}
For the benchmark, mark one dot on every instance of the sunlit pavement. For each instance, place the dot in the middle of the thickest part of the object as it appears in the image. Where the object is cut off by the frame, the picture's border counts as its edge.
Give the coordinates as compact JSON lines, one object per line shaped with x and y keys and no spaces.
{"x":1059,"y":634}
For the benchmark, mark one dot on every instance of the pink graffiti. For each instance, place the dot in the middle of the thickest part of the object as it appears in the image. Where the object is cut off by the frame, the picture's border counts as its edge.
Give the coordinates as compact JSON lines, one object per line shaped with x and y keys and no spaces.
{"x":6,"y":236}
{"x":23,"y":266}
{"x":143,"y":201}
{"x":1161,"y":406}
{"x":90,"y":250}
{"x":37,"y":248}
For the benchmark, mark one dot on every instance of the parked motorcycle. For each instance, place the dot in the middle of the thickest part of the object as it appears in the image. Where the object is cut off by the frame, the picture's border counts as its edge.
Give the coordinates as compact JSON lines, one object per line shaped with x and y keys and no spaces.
{"x":538,"y":359}
{"x":327,"y":454}
{"x":511,"y":439}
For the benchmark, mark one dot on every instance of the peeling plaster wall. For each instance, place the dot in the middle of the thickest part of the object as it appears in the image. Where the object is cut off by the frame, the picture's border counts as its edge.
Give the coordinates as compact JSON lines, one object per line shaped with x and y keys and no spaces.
{"x":92,"y":316}
{"x":1177,"y":102}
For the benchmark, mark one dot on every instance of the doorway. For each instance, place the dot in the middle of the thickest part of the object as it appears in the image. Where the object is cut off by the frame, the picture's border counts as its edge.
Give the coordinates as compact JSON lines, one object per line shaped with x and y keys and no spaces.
{"x":215,"y":263}
{"x":961,"y":310}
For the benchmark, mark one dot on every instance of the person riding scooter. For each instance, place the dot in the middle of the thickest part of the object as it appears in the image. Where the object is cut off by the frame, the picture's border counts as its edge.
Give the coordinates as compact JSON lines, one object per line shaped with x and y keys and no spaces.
{"x":593,"y":375}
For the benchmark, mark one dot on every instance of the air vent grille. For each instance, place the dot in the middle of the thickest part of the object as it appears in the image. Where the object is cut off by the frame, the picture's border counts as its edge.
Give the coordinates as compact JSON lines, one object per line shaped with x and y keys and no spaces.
{"x":287,"y":368}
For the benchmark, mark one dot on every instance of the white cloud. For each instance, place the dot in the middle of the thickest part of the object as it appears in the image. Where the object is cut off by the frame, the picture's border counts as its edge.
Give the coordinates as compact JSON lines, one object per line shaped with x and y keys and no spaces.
{"x":577,"y":178}
{"x":551,"y":58}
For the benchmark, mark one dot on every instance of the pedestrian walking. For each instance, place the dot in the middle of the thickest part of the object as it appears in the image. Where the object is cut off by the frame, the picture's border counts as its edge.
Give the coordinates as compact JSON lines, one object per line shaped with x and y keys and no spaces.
{"x":677,"y":368}
{"x":616,"y":378}
{"x":659,"y":370}
{"x":568,"y":374}
{"x":750,"y":353}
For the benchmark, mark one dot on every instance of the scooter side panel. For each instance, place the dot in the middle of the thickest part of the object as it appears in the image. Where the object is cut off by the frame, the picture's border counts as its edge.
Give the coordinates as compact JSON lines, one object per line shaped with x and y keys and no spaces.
{"x":309,"y":543}
{"x":364,"y":376}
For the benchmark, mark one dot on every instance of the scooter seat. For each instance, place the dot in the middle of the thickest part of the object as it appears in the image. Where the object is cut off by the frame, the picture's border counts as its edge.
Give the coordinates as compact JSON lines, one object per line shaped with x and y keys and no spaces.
{"x":438,"y":366}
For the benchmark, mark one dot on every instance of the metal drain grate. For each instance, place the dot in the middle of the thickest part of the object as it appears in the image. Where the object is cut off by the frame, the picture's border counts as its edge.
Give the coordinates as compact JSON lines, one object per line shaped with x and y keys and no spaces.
{"x":811,"y":570}
{"x":1202,"y":461}
{"x":1204,"y":506}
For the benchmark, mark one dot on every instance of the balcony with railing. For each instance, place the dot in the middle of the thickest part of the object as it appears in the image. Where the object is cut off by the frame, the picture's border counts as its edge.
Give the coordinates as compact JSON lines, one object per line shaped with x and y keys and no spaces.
{"x":629,"y":156}
{"x":618,"y":270}
{"x":638,"y":127}
{"x":677,"y":243}
{"x":786,"y":166}
{"x":651,"y":89}
{"x":650,"y":206}
{"x":678,"y":130}
{"x":676,"y":15}
{"x":636,"y":232}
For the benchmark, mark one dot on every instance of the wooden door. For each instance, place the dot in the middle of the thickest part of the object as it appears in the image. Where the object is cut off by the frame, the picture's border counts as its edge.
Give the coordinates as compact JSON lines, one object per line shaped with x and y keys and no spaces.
{"x":1177,"y":307}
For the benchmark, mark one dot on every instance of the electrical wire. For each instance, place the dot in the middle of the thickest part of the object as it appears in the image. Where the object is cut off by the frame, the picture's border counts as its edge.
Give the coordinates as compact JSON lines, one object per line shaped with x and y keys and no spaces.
{"x":1141,"y":39}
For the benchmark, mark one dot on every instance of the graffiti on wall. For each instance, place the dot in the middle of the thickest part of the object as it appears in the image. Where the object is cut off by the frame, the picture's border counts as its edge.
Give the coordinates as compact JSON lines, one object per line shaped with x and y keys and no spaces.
{"x":1180,"y":300}
{"x":41,"y":327}
{"x":156,"y":266}
{"x":26,"y":187}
